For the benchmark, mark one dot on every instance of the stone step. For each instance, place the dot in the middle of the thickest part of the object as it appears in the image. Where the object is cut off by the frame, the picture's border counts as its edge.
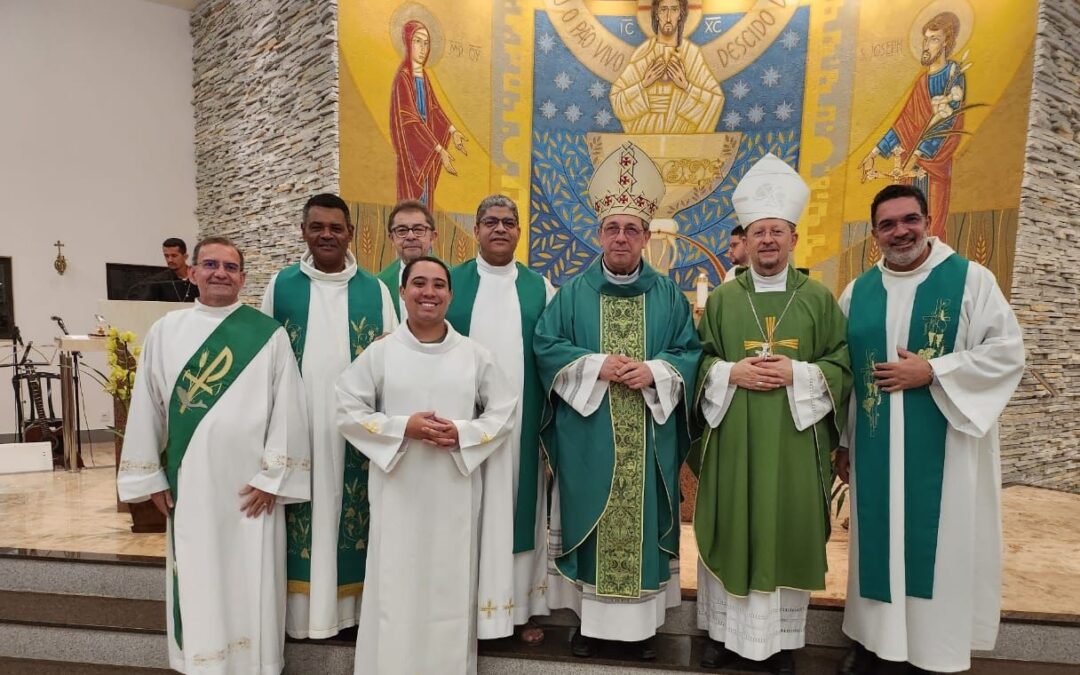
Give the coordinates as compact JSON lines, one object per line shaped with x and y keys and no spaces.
{"x":129,"y":634}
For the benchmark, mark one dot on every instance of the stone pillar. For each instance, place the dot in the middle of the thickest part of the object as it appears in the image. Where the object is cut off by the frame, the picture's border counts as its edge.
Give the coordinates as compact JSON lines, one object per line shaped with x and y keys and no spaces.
{"x":1040,"y":430}
{"x":266,"y":123}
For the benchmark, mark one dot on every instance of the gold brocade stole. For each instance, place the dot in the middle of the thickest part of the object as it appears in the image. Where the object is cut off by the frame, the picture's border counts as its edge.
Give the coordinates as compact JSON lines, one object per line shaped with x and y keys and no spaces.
{"x":620,"y":529}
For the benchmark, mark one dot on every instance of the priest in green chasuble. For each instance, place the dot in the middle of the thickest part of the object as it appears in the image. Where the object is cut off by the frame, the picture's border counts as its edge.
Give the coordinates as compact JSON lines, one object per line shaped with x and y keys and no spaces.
{"x":217,"y":437}
{"x":937,"y":354}
{"x":411,"y":227}
{"x":332,"y":311}
{"x":617,"y":354}
{"x":772,"y":395}
{"x":497,"y":302}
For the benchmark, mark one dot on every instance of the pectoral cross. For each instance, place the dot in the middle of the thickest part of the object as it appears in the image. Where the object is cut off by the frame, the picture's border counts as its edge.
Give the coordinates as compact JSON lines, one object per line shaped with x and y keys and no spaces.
{"x":765,"y":349}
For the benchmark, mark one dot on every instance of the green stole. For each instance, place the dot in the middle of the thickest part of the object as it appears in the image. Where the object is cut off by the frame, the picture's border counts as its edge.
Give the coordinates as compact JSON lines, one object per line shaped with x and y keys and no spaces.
{"x":532,"y":298}
{"x":390,"y":276}
{"x":935,"y":318}
{"x":208,"y":374}
{"x":292,"y":298}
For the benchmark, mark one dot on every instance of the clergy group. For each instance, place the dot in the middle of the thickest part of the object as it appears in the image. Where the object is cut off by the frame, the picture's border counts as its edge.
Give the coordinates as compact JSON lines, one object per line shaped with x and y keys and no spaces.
{"x":441,"y":455}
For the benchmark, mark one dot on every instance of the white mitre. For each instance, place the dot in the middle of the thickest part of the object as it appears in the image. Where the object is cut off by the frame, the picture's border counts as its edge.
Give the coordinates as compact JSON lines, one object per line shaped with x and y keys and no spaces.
{"x":770,"y":189}
{"x":627,"y":182}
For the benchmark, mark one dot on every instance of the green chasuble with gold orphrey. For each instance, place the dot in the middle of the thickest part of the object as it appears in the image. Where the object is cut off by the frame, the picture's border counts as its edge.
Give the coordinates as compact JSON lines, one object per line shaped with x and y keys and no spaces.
{"x":617,"y":470}
{"x":762,"y":512}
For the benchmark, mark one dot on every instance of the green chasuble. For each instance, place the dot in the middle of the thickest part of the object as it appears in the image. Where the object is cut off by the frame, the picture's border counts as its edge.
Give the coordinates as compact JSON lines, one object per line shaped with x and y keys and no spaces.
{"x":292,"y":296}
{"x":934,"y":323}
{"x":532,"y":298}
{"x":762,"y":512}
{"x":208,"y":374}
{"x":617,"y":470}
{"x":390,"y":276}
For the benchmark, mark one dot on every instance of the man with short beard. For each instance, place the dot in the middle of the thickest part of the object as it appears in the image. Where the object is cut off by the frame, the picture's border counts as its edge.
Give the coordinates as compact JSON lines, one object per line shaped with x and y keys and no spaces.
{"x":927,"y":131}
{"x":411,"y":227}
{"x":937,"y":354}
{"x":773,"y":388}
{"x":332,"y":310}
{"x":497,"y":302}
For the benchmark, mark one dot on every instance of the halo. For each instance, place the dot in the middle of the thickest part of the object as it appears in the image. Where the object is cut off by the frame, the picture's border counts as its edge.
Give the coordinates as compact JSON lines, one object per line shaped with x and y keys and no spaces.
{"x":406,"y":13}
{"x":960,"y":8}
{"x":644,"y":18}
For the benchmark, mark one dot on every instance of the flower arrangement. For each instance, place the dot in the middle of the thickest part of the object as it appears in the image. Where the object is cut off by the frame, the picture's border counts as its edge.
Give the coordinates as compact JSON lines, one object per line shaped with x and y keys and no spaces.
{"x":123,"y":360}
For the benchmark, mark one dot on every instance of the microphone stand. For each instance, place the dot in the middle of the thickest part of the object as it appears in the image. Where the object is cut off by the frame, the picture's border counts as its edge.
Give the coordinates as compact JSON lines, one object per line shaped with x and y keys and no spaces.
{"x":16,"y":339}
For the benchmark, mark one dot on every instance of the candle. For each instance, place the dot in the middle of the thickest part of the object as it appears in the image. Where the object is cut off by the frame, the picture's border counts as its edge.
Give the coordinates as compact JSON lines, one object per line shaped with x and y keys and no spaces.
{"x":702,"y":290}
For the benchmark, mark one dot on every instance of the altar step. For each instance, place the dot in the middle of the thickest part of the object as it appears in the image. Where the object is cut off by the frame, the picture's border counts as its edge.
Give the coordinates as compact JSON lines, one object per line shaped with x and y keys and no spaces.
{"x":91,"y":615}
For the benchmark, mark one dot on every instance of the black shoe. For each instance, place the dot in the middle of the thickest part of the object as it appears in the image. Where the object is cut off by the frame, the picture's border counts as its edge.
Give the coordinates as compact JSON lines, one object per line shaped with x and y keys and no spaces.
{"x":646,"y":649}
{"x":582,"y":646}
{"x":859,"y":661}
{"x":915,"y":670}
{"x":717,"y":655}
{"x":781,"y":663}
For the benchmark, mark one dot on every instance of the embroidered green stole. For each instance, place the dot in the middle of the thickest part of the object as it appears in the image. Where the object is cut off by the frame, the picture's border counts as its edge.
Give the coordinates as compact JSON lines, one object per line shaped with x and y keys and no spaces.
{"x":620,"y":529}
{"x":292,"y":298}
{"x":532,"y":298}
{"x":935,"y":318}
{"x":390,"y":276}
{"x":208,"y":374}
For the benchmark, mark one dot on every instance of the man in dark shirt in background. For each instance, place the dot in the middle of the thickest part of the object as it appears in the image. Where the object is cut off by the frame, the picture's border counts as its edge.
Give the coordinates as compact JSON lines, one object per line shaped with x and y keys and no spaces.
{"x":171,"y":285}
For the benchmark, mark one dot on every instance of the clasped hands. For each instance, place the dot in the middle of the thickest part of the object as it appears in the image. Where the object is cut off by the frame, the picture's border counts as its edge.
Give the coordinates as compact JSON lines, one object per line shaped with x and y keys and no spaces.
{"x":672,"y":69}
{"x":762,"y":373}
{"x":910,"y":372}
{"x":625,"y":370}
{"x":254,"y":502}
{"x":428,"y":427}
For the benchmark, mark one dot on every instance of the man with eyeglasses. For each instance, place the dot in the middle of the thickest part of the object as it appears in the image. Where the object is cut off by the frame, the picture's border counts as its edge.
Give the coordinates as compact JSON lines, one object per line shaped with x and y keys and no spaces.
{"x":773,"y":390}
{"x":332,"y":311}
{"x":937,"y":354}
{"x":497,"y":302}
{"x":617,"y":354}
{"x":411,"y":227}
{"x":217,"y":437}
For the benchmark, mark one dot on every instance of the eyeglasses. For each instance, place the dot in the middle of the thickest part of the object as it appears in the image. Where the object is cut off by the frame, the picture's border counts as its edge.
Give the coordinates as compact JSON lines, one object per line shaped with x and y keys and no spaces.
{"x":214,"y":265}
{"x":402,"y":231}
{"x":493,"y":222}
{"x":910,"y":220}
{"x":775,"y":232}
{"x":629,"y":231}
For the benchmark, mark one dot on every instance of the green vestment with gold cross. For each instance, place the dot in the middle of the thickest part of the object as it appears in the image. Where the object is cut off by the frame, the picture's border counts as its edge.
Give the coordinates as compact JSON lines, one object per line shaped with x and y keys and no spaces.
{"x":762,"y":513}
{"x":617,"y":469}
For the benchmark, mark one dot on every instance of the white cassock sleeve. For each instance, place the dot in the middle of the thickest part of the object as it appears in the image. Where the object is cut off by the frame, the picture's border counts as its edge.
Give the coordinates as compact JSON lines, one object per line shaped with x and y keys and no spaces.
{"x":973,"y":384}
{"x":579,"y":384}
{"x":140,"y":473}
{"x":717,"y":393}
{"x":286,"y":464}
{"x":497,"y":403}
{"x":268,"y":297}
{"x":808,"y":395}
{"x":380,"y":437}
{"x":666,"y":392}
{"x":389,"y":316}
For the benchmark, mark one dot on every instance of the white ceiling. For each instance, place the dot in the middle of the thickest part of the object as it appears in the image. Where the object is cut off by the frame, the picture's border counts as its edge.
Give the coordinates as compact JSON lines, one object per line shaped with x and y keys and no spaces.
{"x":182,"y":4}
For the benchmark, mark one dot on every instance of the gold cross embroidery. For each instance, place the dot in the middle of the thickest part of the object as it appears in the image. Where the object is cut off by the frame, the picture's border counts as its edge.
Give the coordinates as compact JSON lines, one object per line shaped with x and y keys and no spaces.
{"x":542,"y":588}
{"x":509,"y":606}
{"x":765,"y":349}
{"x":489,"y":609}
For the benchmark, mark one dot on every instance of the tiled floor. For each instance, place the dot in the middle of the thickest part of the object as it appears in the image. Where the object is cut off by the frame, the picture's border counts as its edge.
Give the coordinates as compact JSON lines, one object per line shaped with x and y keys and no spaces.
{"x":77,"y":512}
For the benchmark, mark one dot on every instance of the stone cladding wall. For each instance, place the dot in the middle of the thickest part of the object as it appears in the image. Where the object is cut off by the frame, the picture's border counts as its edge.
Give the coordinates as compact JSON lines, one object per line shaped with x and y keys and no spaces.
{"x":1040,"y":430}
{"x":266,"y":123}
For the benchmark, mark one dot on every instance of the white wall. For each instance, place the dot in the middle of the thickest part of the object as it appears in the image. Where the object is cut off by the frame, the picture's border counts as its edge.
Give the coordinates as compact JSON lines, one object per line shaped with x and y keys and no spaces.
{"x":96,"y":149}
